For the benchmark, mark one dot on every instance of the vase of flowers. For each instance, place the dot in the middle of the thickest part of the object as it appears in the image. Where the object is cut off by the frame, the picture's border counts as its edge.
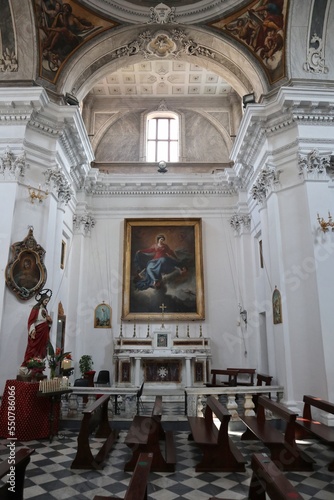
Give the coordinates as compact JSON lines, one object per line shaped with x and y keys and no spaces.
{"x":55,"y":358}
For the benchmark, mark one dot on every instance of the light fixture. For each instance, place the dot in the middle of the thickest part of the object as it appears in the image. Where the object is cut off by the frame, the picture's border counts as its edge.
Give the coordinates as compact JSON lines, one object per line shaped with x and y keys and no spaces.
{"x":37,"y":194}
{"x":71,"y":99}
{"x":248,"y":99}
{"x":325,"y":225}
{"x":243,"y":314}
{"x":162,"y":167}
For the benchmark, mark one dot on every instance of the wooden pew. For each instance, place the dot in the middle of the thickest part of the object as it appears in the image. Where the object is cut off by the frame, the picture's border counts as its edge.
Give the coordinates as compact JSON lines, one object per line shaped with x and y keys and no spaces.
{"x":230,"y":374}
{"x":137,"y":489}
{"x":307,"y":427}
{"x":20,"y":462}
{"x":261,"y":379}
{"x":250,"y":372}
{"x":144,"y":436}
{"x":268,"y":479}
{"x":283,"y":448}
{"x":219,"y":451}
{"x":84,"y":458}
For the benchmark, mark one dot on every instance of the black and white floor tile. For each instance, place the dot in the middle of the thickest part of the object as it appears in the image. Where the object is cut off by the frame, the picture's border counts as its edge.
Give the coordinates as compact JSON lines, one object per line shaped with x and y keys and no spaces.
{"x":49,"y":476}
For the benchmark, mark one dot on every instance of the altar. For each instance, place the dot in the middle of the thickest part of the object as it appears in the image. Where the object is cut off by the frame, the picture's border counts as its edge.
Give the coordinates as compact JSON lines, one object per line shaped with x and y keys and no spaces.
{"x":162,"y":358}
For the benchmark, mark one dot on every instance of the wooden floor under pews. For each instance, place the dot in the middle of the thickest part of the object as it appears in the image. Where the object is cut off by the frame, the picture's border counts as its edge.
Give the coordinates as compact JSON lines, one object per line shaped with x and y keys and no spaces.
{"x":49,"y":474}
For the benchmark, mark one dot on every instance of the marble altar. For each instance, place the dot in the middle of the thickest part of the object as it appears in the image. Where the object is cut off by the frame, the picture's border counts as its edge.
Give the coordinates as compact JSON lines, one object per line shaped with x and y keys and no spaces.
{"x":162,"y":358}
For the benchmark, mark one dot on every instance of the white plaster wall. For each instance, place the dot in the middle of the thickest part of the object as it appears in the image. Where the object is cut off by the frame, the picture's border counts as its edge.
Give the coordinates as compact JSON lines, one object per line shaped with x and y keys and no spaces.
{"x":97,"y":276}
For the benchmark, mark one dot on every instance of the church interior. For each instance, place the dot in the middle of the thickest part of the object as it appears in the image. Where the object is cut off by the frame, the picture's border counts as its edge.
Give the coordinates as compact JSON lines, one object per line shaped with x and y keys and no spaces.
{"x":166,"y":182}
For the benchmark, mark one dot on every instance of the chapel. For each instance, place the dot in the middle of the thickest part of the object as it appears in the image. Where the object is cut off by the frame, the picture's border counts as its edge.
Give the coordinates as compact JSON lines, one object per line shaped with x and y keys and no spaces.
{"x":166,"y":171}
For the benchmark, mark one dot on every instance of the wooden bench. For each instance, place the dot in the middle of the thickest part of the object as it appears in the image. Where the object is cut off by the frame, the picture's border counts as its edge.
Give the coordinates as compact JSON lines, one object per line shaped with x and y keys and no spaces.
{"x":307,"y":427}
{"x":19,"y":462}
{"x":283,"y":448}
{"x":249,"y":372}
{"x":268,"y":479}
{"x":230,"y":374}
{"x":137,"y":489}
{"x":261,"y":379}
{"x":219,"y":451}
{"x":144,"y":436}
{"x":84,"y":458}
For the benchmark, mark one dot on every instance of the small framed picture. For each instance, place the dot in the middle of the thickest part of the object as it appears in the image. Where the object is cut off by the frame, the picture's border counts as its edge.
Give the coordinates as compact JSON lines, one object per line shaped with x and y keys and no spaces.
{"x":102,"y":316}
{"x":162,"y":340}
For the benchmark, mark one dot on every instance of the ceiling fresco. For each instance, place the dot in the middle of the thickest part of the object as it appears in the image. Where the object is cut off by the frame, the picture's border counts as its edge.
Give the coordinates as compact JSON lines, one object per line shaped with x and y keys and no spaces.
{"x":261,"y":27}
{"x":63,"y":28}
{"x":258,"y":26}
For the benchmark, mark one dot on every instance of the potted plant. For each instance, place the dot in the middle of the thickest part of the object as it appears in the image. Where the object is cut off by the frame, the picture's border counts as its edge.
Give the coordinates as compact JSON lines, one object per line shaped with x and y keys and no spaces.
{"x":85,"y":364}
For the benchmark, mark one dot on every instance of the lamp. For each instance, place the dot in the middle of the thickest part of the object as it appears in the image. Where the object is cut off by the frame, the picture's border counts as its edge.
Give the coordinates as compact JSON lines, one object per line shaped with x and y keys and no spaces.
{"x":243,"y":314}
{"x":248,"y":99}
{"x":324,"y":225}
{"x":162,"y":167}
{"x":71,"y":99}
{"x":37,"y":194}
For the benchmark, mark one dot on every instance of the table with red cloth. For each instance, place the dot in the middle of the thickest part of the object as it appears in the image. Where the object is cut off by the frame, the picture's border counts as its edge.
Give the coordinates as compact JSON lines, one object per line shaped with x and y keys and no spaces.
{"x":32,"y":413}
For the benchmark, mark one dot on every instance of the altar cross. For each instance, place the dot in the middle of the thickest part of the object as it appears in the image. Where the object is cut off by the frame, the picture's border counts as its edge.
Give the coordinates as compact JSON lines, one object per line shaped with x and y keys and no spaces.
{"x":162,"y":307}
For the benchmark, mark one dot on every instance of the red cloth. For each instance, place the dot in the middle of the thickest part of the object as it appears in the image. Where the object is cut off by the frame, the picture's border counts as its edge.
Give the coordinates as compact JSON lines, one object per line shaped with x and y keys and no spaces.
{"x":32,"y":413}
{"x":37,"y":346}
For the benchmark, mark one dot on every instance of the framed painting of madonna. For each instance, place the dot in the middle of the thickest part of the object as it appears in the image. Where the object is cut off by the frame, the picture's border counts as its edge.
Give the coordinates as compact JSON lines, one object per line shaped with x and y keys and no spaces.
{"x":163,"y":270}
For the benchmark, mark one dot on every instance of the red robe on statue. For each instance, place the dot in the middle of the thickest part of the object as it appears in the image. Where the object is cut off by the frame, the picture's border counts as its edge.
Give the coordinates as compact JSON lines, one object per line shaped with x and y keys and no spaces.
{"x":39,"y":321}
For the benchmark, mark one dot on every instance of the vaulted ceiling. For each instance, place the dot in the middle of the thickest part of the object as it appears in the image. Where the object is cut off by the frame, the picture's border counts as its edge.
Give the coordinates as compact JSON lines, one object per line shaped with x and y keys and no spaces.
{"x":162,"y":78}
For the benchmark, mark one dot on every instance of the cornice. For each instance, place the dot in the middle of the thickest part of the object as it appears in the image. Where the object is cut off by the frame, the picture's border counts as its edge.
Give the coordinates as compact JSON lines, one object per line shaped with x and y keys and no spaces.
{"x":105,"y":185}
{"x":116,"y":191}
{"x":198,"y":11}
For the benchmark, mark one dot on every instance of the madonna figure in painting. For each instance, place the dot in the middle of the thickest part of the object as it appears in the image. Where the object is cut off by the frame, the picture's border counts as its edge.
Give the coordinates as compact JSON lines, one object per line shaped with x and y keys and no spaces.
{"x":154,"y":262}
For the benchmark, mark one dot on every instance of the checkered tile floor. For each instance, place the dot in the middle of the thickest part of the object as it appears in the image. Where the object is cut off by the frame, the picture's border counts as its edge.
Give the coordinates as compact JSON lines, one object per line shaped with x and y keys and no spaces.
{"x":49,"y":476}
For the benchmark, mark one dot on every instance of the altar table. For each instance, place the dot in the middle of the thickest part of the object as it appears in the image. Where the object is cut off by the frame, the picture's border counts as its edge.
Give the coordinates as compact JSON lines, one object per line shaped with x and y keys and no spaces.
{"x":32,"y":413}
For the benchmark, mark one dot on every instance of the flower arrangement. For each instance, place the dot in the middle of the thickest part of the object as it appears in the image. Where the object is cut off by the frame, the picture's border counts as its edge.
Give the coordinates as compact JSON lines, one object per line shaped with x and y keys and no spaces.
{"x":55,"y":357}
{"x":36,"y":363}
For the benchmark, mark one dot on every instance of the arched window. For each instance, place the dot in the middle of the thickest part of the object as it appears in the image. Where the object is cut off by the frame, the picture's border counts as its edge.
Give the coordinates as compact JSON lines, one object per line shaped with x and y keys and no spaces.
{"x":162,"y":137}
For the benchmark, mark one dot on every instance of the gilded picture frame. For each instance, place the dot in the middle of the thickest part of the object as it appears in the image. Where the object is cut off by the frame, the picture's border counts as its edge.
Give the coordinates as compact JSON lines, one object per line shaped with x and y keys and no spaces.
{"x":163,"y":270}
{"x":25,"y":272}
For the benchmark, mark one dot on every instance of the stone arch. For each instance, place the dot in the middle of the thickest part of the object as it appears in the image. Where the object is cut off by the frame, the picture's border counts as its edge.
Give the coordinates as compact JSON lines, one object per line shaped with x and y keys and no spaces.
{"x":115,"y":50}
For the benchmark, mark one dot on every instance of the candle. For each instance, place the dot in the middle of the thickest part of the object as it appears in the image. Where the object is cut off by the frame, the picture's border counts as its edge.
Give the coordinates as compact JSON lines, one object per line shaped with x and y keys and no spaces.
{"x":66,"y":364}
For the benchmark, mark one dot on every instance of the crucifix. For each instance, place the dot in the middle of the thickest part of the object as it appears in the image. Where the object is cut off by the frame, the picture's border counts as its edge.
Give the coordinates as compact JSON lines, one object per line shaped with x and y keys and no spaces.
{"x":162,"y":307}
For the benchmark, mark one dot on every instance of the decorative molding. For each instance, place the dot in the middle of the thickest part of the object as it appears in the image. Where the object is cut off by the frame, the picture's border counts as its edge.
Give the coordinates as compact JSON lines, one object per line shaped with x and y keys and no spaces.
{"x":315,"y":61}
{"x":267,"y":179}
{"x":196,"y":12}
{"x":83,"y":222}
{"x":313,"y":163}
{"x":101,"y":188}
{"x":163,"y":43}
{"x":12,"y":167}
{"x":75,"y":152}
{"x":55,"y":177}
{"x":318,"y":23}
{"x":162,"y":106}
{"x":8,"y":62}
{"x":44,"y":125}
{"x":162,"y":14}
{"x":239,"y":220}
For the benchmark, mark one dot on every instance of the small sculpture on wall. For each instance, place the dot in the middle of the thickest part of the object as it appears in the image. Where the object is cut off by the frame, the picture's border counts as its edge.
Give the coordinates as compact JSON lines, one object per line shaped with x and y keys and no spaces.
{"x":26,"y":273}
